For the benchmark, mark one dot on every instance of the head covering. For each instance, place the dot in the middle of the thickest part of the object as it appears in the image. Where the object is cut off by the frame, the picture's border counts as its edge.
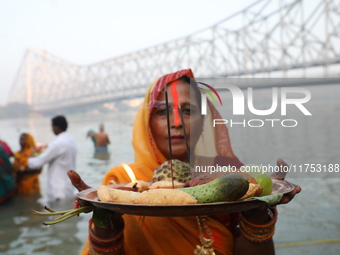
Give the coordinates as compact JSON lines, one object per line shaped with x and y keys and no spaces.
{"x":143,"y":142}
{"x":21,"y":157}
{"x":29,"y":141}
{"x":144,"y":145}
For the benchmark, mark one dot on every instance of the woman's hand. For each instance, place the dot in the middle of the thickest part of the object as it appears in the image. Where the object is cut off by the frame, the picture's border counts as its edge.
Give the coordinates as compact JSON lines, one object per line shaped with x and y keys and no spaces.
{"x":281,"y":176}
{"x":259,"y":215}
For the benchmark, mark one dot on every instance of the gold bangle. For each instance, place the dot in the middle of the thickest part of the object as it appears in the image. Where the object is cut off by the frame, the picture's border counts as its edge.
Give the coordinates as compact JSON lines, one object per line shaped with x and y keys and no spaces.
{"x":258,"y":233}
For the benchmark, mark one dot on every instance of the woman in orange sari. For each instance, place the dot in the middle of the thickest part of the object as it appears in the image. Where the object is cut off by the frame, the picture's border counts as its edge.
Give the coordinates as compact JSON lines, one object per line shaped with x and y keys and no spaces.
{"x":27,"y":180}
{"x":135,"y":235}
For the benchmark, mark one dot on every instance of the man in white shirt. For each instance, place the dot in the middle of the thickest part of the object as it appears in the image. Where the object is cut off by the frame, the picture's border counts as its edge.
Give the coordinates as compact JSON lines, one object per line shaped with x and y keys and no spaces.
{"x":61,"y":157}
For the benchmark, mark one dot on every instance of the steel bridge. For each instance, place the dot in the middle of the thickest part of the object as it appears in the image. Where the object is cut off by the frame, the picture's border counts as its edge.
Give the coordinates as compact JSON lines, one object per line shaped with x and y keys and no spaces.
{"x":270,"y":38}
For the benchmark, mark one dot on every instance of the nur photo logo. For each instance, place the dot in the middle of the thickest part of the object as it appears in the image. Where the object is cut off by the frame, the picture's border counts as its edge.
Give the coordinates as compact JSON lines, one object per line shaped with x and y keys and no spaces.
{"x":280,"y":99}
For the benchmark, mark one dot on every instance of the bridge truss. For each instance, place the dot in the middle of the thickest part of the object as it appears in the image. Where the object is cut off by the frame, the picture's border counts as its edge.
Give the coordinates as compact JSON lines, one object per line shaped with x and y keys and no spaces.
{"x":268,"y":37}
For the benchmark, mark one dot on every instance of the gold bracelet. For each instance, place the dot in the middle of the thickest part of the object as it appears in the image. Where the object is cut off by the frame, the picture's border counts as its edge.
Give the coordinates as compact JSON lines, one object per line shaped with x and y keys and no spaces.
{"x":258,"y":233}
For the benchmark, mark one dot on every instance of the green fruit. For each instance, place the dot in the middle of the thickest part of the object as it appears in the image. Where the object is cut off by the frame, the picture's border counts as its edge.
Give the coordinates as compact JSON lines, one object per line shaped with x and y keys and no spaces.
{"x":262,"y":178}
{"x":229,"y":187}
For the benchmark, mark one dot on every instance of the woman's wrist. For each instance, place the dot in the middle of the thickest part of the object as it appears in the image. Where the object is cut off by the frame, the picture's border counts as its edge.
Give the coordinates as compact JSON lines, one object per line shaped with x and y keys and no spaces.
{"x":259,"y":215}
{"x":106,"y":232}
{"x":260,"y":227}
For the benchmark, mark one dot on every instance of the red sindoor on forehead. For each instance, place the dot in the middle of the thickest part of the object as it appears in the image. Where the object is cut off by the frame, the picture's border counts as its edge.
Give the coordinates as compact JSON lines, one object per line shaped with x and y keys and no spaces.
{"x":174,"y":94}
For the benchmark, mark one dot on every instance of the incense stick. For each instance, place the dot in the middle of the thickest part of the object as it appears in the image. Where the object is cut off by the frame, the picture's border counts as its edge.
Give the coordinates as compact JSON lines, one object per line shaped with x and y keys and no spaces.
{"x":169,"y":135}
{"x":186,"y":141}
{"x":184,"y":131}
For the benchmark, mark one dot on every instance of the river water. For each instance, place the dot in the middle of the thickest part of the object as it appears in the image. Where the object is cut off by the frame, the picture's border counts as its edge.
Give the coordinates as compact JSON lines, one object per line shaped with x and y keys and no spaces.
{"x":312,"y":215}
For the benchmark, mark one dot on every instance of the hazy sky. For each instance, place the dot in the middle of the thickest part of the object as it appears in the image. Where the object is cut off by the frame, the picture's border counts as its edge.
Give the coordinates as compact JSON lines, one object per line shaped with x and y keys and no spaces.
{"x":86,"y":32}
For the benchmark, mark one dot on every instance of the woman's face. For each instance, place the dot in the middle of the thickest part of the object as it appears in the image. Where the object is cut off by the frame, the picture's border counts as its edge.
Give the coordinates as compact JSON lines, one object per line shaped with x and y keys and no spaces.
{"x":191,"y":117}
{"x":22,"y":141}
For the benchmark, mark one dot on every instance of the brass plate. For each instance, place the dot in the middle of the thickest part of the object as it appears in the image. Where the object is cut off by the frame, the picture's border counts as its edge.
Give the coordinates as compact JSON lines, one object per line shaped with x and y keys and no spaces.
{"x":90,"y":195}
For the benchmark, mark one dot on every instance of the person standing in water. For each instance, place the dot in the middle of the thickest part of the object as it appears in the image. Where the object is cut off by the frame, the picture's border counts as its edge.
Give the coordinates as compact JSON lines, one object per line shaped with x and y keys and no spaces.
{"x":101,"y":140}
{"x":27,"y":180}
{"x":60,"y":155}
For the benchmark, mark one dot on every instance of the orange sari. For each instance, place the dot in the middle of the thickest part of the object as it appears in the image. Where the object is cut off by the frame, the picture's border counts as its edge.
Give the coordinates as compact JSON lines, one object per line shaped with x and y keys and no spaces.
{"x":165,"y":235}
{"x":26,"y":182}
